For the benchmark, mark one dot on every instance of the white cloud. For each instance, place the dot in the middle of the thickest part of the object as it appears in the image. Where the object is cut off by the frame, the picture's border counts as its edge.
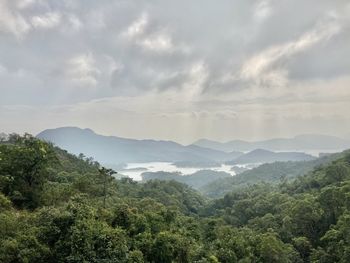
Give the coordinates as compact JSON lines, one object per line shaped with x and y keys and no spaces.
{"x":262,"y":10}
{"x":261,"y":67}
{"x":156,"y":40}
{"x":95,"y":19}
{"x":46,"y":21}
{"x":111,"y":65}
{"x":198,"y":75}
{"x":2,"y":69}
{"x":22,"y":4}
{"x":12,"y":21}
{"x":71,"y":4}
{"x":158,"y":43}
{"x":137,"y":28}
{"x":82,"y":71}
{"x":74,"y":22}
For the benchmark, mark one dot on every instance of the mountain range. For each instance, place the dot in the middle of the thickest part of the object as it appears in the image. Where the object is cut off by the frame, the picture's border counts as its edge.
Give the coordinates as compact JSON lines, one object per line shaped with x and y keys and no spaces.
{"x":113,"y":150}
{"x":306,"y":142}
{"x":265,"y":156}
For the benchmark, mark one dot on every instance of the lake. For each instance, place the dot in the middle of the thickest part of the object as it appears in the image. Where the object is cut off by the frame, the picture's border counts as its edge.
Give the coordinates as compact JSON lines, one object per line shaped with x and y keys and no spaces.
{"x":134,"y":170}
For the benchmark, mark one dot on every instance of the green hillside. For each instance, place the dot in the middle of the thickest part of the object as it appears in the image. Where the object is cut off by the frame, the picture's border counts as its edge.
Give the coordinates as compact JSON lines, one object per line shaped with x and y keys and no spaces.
{"x":55,"y":207}
{"x":273,"y":173}
{"x":196,"y":180}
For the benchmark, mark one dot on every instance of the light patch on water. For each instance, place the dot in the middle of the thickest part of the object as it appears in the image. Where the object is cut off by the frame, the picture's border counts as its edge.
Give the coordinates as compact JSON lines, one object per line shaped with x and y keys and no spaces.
{"x":133,"y":172}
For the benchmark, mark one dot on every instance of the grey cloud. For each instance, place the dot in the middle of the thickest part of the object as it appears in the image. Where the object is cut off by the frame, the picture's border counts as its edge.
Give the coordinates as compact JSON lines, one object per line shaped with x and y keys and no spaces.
{"x":223,"y":35}
{"x":324,"y":62}
{"x":204,"y":53}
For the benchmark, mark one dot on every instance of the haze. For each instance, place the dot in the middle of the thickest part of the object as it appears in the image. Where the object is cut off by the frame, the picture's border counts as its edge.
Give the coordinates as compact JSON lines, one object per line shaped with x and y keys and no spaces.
{"x":176,"y":70}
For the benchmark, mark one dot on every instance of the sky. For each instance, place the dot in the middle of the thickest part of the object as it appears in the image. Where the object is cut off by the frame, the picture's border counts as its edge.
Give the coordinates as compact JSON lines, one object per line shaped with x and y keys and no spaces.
{"x":176,"y":70}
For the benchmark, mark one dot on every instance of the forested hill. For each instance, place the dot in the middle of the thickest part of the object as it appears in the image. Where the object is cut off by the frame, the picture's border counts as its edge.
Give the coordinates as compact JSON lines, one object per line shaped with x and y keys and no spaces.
{"x":312,"y":213}
{"x":272,"y":173}
{"x":55,"y":207}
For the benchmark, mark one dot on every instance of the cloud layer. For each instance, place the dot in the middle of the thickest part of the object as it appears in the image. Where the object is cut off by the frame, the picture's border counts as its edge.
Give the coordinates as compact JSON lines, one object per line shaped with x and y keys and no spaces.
{"x":181,"y":70}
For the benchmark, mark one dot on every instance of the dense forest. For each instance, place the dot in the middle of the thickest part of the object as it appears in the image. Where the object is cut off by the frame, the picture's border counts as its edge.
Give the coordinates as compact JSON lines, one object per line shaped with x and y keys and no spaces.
{"x":57,"y":207}
{"x":272,"y":173}
{"x":216,"y":184}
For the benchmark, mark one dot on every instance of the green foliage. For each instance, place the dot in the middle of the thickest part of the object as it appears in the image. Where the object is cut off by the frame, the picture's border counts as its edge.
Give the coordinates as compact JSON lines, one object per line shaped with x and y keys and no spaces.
{"x":23,"y":169}
{"x":56,"y":207}
{"x":337,"y":240}
{"x":5,"y":203}
{"x":274,"y":173}
{"x":195,"y":180}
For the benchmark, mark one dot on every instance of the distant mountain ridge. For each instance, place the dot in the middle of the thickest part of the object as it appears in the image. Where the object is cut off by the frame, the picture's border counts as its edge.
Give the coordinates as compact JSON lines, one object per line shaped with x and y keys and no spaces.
{"x":298,"y":143}
{"x":265,"y":156}
{"x":113,"y":150}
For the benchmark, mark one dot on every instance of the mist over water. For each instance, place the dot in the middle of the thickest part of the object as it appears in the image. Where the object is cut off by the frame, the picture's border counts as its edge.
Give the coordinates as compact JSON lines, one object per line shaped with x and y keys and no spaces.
{"x":135,"y":170}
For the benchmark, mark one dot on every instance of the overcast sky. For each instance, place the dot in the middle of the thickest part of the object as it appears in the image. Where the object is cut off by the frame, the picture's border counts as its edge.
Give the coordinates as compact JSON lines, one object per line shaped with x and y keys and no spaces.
{"x":178,"y":70}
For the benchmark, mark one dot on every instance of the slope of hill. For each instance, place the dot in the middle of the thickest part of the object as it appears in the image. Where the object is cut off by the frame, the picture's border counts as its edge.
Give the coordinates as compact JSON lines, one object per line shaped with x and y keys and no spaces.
{"x":195,"y":180}
{"x":225,"y":146}
{"x":3,"y":136}
{"x":310,"y":213}
{"x":307,"y":142}
{"x":269,"y":172}
{"x":265,"y":156}
{"x":114,"y":150}
{"x":55,"y":207}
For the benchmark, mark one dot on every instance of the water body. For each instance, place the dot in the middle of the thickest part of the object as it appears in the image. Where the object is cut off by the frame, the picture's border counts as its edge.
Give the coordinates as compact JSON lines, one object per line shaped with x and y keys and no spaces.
{"x":134,"y":170}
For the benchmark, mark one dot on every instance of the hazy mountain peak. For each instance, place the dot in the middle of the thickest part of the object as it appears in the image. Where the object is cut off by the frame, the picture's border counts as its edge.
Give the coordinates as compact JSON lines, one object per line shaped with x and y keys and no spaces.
{"x":303,"y":142}
{"x":260,"y":151}
{"x":315,"y":136}
{"x":67,"y":129}
{"x":266,"y":156}
{"x":114,"y":150}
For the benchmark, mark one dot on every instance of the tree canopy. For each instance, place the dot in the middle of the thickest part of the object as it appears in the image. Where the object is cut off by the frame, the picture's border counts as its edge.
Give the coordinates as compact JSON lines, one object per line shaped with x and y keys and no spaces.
{"x":57,"y":207}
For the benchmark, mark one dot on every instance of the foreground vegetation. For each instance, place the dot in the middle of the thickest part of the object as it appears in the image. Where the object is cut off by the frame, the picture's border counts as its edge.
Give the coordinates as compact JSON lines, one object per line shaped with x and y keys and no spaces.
{"x":55,"y":207}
